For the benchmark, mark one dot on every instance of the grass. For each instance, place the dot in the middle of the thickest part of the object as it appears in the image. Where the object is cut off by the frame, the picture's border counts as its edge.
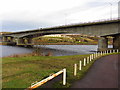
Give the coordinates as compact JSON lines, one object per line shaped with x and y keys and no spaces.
{"x":20,"y":72}
{"x":66,"y":40}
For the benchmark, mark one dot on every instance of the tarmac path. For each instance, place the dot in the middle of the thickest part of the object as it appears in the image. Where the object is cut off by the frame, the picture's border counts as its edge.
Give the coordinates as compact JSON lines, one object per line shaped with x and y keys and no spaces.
{"x":103,"y":74}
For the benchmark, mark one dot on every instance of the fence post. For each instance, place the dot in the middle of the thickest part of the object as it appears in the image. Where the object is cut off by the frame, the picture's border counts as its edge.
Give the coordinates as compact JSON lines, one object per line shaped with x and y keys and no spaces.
{"x":64,"y":76}
{"x":84,"y":62}
{"x":88,"y":59}
{"x":75,"y":69}
{"x":117,"y":51}
{"x":96,"y":54}
{"x":92,"y":56}
{"x":101,"y":53}
{"x":80,"y":65}
{"x":113,"y":51}
{"x":107,"y":52}
{"x":110,"y":51}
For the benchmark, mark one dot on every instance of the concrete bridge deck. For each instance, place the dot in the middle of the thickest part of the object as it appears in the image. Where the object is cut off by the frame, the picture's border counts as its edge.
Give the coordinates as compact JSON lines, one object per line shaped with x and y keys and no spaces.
{"x":101,"y":28}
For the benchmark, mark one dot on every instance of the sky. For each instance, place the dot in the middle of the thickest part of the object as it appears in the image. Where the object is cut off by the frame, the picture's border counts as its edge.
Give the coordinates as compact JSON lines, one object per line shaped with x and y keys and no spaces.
{"x":22,"y":15}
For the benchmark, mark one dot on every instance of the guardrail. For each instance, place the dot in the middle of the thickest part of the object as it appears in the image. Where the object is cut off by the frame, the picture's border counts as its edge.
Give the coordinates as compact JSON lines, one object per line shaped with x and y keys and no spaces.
{"x":36,"y":85}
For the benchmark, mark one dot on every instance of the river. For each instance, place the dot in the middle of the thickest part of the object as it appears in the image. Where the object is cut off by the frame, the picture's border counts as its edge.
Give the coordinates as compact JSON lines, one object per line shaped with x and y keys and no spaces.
{"x":56,"y":50}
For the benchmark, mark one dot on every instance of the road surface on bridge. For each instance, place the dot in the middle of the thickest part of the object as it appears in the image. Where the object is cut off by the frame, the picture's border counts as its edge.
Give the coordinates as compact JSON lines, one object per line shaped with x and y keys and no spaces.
{"x":103,"y":74}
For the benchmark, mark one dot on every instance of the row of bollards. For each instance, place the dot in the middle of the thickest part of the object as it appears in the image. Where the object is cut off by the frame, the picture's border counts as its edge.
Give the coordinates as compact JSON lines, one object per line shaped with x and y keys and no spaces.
{"x":92,"y":57}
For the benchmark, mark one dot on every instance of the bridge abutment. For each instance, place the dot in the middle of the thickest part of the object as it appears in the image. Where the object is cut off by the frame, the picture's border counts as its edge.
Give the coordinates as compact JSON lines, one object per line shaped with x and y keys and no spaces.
{"x":102,"y":43}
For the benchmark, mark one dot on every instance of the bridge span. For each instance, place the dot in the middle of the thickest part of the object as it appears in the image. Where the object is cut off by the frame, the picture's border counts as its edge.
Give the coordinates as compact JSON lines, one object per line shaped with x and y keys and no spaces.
{"x":103,"y":29}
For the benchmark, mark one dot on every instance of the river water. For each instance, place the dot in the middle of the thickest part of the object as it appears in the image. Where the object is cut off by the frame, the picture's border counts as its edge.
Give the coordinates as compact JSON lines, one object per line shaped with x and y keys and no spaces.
{"x":56,"y":50}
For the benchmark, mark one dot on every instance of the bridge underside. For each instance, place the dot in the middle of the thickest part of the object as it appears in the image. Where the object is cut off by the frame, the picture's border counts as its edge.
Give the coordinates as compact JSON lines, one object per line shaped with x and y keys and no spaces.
{"x":103,"y":29}
{"x":26,"y":39}
{"x":102,"y":42}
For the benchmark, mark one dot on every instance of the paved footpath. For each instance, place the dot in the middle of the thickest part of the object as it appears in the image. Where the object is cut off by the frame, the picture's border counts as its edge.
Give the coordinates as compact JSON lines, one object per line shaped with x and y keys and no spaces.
{"x":103,"y":74}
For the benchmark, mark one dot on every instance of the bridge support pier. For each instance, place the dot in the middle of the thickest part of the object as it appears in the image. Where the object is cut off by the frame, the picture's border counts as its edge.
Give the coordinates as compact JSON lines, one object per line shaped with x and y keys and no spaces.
{"x":5,"y":39}
{"x":20,"y":41}
{"x":102,"y":43}
{"x":116,"y":42}
{"x":11,"y":39}
{"x":29,"y":41}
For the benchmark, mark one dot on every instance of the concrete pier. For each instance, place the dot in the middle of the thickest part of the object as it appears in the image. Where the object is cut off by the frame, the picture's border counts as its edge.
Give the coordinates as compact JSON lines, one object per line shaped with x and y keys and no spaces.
{"x":5,"y":39}
{"x":29,"y":41}
{"x":116,"y":42}
{"x":102,"y":43}
{"x":20,"y":41}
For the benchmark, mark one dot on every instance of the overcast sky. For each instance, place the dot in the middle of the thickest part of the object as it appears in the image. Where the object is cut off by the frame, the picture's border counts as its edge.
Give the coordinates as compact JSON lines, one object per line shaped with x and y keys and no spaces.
{"x":19,"y":15}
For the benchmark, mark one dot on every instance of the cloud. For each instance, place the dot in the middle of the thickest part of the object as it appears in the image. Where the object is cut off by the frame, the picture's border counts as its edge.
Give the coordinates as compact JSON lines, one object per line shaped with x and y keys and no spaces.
{"x":29,"y":14}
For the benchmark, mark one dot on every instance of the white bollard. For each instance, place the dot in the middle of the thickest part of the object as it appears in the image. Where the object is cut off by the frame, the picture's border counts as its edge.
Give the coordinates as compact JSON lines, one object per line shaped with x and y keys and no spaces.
{"x":96,"y":55}
{"x":84,"y":62}
{"x":110,"y":51}
{"x":64,"y":76}
{"x":80,"y":65}
{"x":117,"y":51}
{"x":113,"y":51}
{"x":92,"y":56}
{"x":101,"y":53}
{"x":107,"y":52}
{"x":75,"y":69}
{"x":88,"y":59}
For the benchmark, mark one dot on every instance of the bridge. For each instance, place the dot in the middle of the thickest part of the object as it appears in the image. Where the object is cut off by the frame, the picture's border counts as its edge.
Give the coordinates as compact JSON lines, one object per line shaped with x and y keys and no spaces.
{"x":103,"y":29}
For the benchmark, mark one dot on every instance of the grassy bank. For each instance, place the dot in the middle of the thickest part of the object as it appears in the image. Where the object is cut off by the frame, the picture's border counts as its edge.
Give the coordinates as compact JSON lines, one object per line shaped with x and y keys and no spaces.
{"x":3,"y":43}
{"x":20,"y":72}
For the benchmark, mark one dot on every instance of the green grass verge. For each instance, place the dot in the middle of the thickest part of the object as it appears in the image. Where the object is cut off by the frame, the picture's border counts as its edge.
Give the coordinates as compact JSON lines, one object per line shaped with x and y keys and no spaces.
{"x":20,"y":72}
